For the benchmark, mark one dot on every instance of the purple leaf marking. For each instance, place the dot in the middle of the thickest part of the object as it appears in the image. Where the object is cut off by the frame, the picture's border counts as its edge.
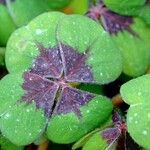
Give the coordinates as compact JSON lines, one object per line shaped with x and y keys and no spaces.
{"x":76,"y":69}
{"x":116,"y":118}
{"x":48,"y":63}
{"x":39,"y":90}
{"x":111,"y":135}
{"x":114,"y":135}
{"x":71,"y":99}
{"x":51,"y":74}
{"x":114,"y":23}
{"x":111,"y":21}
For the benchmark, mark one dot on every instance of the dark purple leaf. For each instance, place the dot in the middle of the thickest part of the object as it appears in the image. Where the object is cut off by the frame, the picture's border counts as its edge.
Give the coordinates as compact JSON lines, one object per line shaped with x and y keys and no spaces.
{"x":116,"y":118}
{"x":111,"y":21}
{"x":75,"y":68}
{"x":94,"y":12}
{"x":71,"y":100}
{"x":51,"y":74}
{"x":111,"y":134}
{"x":114,"y":23}
{"x":48,"y":63}
{"x":39,"y":90}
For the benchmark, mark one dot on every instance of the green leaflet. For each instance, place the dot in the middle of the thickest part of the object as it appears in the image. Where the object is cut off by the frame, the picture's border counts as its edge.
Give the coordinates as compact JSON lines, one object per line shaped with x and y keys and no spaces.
{"x":95,"y":142}
{"x":23,"y":121}
{"x":138,"y":120}
{"x":136,"y":94}
{"x":7,"y":145}
{"x":21,"y":55}
{"x":135,"y":48}
{"x":125,"y":7}
{"x":7,"y":25}
{"x":22,"y":11}
{"x":18,"y":118}
{"x":71,"y":128}
{"x":145,"y":14}
{"x":84,"y":139}
{"x":136,"y":91}
{"x":81,"y":142}
{"x":11,"y":91}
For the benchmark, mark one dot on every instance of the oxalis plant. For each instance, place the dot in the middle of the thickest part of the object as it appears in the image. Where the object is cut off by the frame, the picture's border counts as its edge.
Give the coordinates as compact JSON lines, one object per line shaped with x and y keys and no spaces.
{"x":47,"y":60}
{"x":130,"y":33}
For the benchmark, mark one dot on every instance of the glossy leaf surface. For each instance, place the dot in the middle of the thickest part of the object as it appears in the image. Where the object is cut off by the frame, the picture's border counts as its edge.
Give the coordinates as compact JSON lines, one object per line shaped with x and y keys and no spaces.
{"x":136,"y":94}
{"x":50,"y":54}
{"x":125,"y":7}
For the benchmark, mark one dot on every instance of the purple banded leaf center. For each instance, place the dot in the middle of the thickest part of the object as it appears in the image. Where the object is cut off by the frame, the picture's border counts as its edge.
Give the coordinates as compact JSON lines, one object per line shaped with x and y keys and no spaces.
{"x":111,"y":21}
{"x":61,"y":82}
{"x":112,"y":134}
{"x":49,"y":81}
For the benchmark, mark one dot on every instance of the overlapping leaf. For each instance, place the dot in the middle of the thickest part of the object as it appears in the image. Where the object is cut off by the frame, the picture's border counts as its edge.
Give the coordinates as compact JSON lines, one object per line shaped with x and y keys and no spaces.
{"x":136,"y":94}
{"x":50,"y":53}
{"x":123,"y":30}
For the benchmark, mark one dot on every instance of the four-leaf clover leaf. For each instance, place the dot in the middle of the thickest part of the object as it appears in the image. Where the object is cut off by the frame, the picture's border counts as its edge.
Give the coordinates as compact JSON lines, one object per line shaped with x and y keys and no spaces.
{"x":45,"y":59}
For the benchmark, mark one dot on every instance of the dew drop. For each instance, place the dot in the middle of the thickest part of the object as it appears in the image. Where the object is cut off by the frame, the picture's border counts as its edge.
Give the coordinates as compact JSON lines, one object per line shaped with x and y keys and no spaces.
{"x":38,"y":31}
{"x":101,"y":74}
{"x":88,"y":111}
{"x":7,"y":115}
{"x":27,"y":110}
{"x":130,"y":119}
{"x":15,"y":131}
{"x":144,"y":132}
{"x":139,"y":93}
{"x":97,"y":101}
{"x":39,"y":130}
{"x":17,"y":120}
{"x":70,"y":129}
{"x":30,"y":78}
{"x":73,"y":23}
{"x":30,"y":134}
{"x":91,"y":58}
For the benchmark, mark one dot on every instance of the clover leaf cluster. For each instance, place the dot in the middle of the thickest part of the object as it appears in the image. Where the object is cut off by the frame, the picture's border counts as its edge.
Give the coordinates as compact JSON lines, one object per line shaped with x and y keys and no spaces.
{"x":60,"y":68}
{"x":51,"y":56}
